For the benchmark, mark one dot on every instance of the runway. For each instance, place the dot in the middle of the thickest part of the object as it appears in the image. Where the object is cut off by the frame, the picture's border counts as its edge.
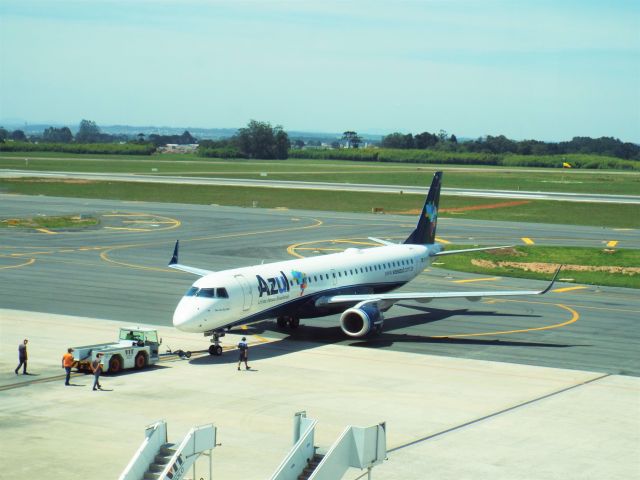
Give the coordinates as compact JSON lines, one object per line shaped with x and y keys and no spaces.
{"x":117,"y":271}
{"x":299,"y":185}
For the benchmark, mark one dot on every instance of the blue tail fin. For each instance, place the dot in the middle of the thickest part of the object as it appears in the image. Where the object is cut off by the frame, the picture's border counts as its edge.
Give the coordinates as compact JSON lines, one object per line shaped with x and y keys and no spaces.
{"x":425,"y":231}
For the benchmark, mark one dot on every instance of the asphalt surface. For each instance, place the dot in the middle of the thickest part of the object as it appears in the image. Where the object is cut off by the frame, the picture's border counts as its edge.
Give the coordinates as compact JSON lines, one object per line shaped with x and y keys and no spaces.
{"x":446,"y":377}
{"x":298,"y":185}
{"x":117,"y":271}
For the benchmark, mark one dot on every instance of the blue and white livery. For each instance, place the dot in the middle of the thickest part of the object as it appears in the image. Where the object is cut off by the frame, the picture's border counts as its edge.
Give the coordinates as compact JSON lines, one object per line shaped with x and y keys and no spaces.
{"x":358,"y":283}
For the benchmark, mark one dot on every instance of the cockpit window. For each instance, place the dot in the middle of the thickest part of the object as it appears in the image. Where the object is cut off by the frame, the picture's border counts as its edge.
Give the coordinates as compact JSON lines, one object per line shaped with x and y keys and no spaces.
{"x":222,"y":293}
{"x":207,"y":292}
{"x":191,"y":292}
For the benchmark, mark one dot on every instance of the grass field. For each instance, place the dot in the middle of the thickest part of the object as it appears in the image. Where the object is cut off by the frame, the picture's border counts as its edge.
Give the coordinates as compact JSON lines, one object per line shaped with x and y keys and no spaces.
{"x":612,"y":267}
{"x":568,"y":213}
{"x":543,"y":180}
{"x":61,"y":222}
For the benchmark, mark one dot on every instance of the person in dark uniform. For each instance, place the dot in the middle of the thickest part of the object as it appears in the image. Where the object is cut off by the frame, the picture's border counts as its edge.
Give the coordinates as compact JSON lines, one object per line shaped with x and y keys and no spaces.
{"x":96,"y":368}
{"x":22,"y":357}
{"x":243,"y":347}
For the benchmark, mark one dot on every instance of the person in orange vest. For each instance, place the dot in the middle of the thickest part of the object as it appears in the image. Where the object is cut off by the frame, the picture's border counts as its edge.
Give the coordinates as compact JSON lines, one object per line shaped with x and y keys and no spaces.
{"x":67,"y":363}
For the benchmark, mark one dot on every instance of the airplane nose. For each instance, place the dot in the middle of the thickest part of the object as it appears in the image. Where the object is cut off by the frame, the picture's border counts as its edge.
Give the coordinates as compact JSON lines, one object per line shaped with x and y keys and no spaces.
{"x":186,"y":315}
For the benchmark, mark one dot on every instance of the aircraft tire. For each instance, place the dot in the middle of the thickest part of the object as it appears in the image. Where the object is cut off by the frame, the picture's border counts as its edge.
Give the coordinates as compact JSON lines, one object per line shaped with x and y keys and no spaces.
{"x":294,"y":322}
{"x":214,"y":350}
{"x":282,"y":322}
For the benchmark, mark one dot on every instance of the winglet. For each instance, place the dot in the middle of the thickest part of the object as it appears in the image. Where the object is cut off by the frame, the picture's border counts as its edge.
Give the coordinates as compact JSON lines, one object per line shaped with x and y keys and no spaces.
{"x":174,"y":258}
{"x":552,"y":281}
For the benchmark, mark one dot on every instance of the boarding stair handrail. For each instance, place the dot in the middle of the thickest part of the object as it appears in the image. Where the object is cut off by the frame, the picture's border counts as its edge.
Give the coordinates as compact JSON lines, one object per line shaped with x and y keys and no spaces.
{"x":359,"y":447}
{"x":301,"y":452}
{"x":197,"y":441}
{"x":155,"y":437}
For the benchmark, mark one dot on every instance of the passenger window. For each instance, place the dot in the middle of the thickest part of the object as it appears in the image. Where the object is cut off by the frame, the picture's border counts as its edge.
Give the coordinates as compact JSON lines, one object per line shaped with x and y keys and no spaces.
{"x":222,"y":293}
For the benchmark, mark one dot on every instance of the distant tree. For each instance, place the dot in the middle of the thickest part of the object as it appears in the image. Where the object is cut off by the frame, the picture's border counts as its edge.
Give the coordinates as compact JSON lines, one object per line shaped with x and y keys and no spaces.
{"x":88,"y":132}
{"x":442,"y":135}
{"x":335,"y":144}
{"x":186,"y":138}
{"x":425,"y":140}
{"x":58,"y":135}
{"x":261,"y":140}
{"x":140,"y":137}
{"x":4,"y":133}
{"x":352,"y":139}
{"x":298,"y":143}
{"x":453,"y":138}
{"x":282,"y":144}
{"x":18,"y":136}
{"x":398,"y":140}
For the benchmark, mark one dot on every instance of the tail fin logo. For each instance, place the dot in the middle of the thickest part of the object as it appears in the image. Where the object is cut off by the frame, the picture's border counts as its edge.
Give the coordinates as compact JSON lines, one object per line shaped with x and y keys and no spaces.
{"x":431,"y":214}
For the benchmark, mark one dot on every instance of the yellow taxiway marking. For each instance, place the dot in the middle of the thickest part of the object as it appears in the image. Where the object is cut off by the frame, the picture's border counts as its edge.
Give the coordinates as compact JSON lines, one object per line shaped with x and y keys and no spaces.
{"x":442,"y":240}
{"x":612,"y":243}
{"x":469,"y":280}
{"x":574,"y":318}
{"x":353,"y":242}
{"x":527,"y":240}
{"x":568,"y":289}
{"x":129,"y":229}
{"x":47,"y":231}
{"x":29,"y":262}
{"x":104,"y":255}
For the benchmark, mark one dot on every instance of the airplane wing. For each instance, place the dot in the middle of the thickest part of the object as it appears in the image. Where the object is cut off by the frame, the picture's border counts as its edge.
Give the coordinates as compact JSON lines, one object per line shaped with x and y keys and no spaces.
{"x":391,"y":298}
{"x":174,"y":264}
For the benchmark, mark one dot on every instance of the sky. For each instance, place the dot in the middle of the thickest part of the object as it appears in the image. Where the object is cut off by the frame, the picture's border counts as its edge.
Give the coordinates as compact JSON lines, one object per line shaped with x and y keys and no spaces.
{"x":547,"y":70}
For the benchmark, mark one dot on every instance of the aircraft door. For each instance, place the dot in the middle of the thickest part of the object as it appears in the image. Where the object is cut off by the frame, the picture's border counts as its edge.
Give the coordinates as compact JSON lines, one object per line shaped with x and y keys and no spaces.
{"x":246,"y":291}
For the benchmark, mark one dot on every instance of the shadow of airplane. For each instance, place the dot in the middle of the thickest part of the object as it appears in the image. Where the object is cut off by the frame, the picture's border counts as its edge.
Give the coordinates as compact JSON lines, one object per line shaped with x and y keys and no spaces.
{"x":310,"y":336}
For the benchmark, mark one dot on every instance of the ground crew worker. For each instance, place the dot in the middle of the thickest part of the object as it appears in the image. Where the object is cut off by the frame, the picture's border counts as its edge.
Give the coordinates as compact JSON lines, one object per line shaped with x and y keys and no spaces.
{"x":22,"y":357}
{"x":67,"y":363}
{"x":244,"y":353}
{"x":96,"y":368}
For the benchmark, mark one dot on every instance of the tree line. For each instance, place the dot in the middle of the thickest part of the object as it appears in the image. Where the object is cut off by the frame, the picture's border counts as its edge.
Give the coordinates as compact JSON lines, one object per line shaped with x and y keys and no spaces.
{"x":256,"y":140}
{"x":442,"y":141}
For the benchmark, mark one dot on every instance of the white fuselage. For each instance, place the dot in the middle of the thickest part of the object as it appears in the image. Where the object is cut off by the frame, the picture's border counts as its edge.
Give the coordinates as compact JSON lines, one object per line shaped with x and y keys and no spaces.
{"x":293,"y":287}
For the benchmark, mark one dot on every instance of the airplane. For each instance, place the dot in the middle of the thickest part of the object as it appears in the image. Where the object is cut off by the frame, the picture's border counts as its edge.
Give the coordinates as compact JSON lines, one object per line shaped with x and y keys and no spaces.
{"x":357,"y":283}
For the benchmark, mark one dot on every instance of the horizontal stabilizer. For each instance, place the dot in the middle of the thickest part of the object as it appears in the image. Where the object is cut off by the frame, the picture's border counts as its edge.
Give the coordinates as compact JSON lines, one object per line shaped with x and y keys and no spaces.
{"x":381,"y":242}
{"x":479,"y":249}
{"x":184,"y":268}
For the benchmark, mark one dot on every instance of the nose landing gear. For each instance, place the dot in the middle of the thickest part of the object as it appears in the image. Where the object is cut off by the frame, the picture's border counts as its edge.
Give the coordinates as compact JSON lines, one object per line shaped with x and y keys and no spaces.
{"x":216,"y":348}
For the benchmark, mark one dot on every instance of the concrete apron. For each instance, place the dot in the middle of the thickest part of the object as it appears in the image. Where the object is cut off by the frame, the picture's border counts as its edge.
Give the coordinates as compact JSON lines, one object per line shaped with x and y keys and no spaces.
{"x":446,"y":417}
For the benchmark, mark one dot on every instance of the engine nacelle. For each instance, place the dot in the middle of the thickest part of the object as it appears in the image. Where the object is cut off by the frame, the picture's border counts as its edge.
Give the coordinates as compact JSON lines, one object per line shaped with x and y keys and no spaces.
{"x":361,"y":319}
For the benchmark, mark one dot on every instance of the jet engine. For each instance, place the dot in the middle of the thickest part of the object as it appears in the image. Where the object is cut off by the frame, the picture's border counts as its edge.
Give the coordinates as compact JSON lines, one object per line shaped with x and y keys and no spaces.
{"x":361,"y":319}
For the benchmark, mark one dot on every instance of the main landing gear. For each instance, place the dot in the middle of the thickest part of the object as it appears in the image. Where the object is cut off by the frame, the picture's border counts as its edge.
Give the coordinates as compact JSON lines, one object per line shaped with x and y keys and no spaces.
{"x":216,"y":348}
{"x":290,"y":322}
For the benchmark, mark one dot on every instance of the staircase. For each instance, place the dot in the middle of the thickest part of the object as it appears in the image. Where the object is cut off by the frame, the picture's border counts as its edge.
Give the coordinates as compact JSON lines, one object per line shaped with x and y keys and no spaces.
{"x":157,"y":459}
{"x":311,"y":466}
{"x":162,"y":459}
{"x":357,"y":447}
